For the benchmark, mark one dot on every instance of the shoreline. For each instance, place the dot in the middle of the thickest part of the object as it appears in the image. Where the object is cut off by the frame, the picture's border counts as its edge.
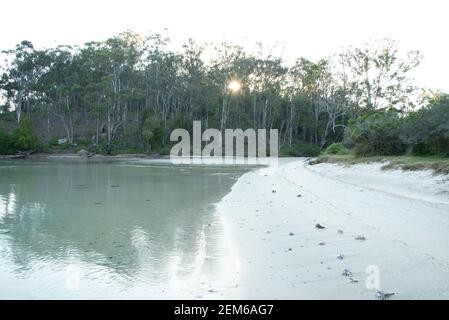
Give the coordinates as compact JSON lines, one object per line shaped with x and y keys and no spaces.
{"x":95,"y":157}
{"x":392,"y":221}
{"x":271,"y":215}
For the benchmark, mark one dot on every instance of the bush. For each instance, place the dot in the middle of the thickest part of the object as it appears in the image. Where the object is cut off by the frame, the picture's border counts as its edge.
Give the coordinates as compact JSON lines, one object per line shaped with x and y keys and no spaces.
{"x":128,"y":150}
{"x":53,"y":142}
{"x":45,"y":148}
{"x":427,"y":130}
{"x":7,"y":116}
{"x":337,"y":148}
{"x":376,"y":134}
{"x":152,"y":131}
{"x":5,"y":142}
{"x":301,"y":150}
{"x":23,"y":137}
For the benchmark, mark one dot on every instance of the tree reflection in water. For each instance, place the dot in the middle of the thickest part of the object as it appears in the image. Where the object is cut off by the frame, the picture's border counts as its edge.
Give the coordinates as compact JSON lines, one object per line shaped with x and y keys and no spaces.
{"x":141,"y":230}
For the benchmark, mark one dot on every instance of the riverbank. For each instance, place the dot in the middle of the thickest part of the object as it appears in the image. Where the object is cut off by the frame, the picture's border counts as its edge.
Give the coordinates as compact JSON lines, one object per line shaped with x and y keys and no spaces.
{"x":439,"y":165}
{"x":313,"y":232}
{"x":94,"y":157}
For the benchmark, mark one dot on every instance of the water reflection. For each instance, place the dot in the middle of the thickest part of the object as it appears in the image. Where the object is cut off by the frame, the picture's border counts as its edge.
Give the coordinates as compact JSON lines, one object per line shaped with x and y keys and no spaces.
{"x":125,"y":230}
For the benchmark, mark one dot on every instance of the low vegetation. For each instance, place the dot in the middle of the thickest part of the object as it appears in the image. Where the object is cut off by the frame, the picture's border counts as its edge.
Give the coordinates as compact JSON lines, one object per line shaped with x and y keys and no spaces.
{"x":337,"y":148}
{"x":22,"y":138}
{"x":438,"y":164}
{"x":424,"y":132}
{"x":301,"y":150}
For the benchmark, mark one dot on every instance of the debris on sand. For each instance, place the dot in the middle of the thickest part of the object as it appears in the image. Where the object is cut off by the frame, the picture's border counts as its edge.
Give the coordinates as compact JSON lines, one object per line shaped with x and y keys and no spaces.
{"x":380,"y":295}
{"x":341,"y":256}
{"x":291,"y":234}
{"x":298,"y":196}
{"x":340,"y":231}
{"x":319,"y":226}
{"x":346,"y":273}
{"x":322,"y":243}
{"x":353,"y":280}
{"x":274,"y":191}
{"x":313,"y":162}
{"x":360,"y":238}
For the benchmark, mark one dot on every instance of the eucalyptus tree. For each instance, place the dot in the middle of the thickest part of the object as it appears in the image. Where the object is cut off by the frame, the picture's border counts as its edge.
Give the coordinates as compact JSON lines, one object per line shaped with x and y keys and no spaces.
{"x":312,"y":83}
{"x":193,"y":81}
{"x":24,"y":68}
{"x":268,"y":83}
{"x":60,"y":87}
{"x":379,"y":76}
{"x":93,"y":69}
{"x":119,"y":56}
{"x":161,"y":69}
{"x":230,"y":73}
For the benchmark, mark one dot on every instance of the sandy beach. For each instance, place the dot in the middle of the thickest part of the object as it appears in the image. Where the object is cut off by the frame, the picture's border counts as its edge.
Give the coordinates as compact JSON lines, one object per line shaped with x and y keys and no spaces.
{"x":380,"y":227}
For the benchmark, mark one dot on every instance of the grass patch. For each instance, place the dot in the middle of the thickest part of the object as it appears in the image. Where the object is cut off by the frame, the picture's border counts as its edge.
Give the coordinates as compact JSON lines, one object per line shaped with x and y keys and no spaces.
{"x":439,"y":165}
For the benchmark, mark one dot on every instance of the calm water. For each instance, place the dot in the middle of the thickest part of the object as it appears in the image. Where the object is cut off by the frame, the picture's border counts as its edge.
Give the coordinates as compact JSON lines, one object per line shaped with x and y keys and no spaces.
{"x":113,"y":230}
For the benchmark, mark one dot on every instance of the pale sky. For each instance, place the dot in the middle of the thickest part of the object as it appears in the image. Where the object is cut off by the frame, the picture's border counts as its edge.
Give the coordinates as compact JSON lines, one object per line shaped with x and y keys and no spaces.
{"x":313,"y":28}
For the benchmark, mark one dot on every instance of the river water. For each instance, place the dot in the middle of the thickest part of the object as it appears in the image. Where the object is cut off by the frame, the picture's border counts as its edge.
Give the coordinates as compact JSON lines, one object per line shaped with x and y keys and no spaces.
{"x":72,"y":230}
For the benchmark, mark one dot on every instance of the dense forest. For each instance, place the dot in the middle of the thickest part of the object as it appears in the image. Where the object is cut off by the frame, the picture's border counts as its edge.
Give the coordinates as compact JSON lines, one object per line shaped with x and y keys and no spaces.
{"x":127,"y":93}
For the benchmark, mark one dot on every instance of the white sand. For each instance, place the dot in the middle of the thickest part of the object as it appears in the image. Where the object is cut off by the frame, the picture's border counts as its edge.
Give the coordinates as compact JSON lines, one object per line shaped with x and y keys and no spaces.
{"x":404,"y":217}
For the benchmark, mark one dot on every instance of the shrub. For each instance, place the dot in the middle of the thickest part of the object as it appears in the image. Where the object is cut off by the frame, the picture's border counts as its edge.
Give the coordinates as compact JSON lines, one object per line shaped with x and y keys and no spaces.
{"x":337,"y":148}
{"x":376,"y":134}
{"x":301,"y":150}
{"x":5,"y":142}
{"x":53,"y":142}
{"x":427,"y":130}
{"x":23,"y":137}
{"x":45,"y":148}
{"x":152,"y":132}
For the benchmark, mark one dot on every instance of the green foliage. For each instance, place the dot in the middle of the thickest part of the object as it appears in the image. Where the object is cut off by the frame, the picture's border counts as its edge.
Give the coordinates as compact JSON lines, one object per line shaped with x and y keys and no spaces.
{"x":7,"y":116}
{"x":179,"y":121}
{"x":5,"y":142}
{"x":152,"y":131}
{"x":23,"y":137}
{"x":128,"y":150}
{"x":337,"y":148}
{"x":165,"y":151}
{"x":45,"y":148}
{"x":301,"y":150}
{"x":53,"y":142}
{"x":376,"y":134}
{"x":422,"y":133}
{"x":427,"y":130}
